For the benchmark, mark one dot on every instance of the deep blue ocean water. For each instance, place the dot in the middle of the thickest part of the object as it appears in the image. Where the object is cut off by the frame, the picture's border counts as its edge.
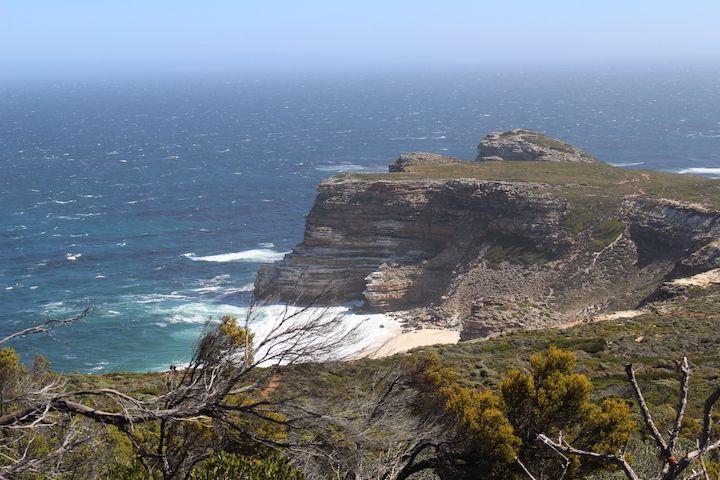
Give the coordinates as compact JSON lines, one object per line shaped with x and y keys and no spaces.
{"x":154,"y":201}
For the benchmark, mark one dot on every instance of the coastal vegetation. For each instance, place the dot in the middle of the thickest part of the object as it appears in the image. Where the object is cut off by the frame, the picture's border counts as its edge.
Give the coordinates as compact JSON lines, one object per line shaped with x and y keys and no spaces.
{"x":587,"y":183}
{"x":528,"y":259}
{"x":484,"y":409}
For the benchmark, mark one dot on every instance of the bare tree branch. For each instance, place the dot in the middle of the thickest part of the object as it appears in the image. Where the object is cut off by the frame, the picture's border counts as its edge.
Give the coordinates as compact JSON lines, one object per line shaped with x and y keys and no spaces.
{"x":684,"y":368}
{"x":601,"y":457}
{"x":45,"y":327}
{"x":645,"y":411}
{"x":525,"y":470}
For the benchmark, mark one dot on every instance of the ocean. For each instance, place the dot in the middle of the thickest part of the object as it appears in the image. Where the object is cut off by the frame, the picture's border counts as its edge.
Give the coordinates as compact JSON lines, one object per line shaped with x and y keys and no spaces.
{"x":154,"y":201}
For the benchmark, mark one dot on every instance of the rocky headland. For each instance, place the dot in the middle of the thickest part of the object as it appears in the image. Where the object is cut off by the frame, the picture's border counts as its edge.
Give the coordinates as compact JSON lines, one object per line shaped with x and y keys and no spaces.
{"x":534,"y":233}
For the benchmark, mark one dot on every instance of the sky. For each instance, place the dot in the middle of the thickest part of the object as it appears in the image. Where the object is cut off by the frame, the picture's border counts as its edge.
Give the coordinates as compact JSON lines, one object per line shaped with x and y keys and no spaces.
{"x":46,"y":38}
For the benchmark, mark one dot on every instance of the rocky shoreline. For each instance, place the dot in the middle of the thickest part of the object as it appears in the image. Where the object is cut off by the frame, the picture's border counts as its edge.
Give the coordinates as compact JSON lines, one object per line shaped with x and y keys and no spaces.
{"x":535,"y":233}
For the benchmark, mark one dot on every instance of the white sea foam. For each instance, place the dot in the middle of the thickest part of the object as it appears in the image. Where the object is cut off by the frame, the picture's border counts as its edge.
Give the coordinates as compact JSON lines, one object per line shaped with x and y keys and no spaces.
{"x":157,"y":297}
{"x":369,"y":331}
{"x":73,"y":256}
{"x":347,"y":167}
{"x":627,"y":164}
{"x":99,"y":366}
{"x":208,"y":289}
{"x":701,"y":170}
{"x":257,"y":255}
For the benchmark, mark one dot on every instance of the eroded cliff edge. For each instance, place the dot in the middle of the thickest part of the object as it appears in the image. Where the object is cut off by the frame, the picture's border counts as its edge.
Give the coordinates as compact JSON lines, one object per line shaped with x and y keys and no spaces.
{"x":494,"y":245}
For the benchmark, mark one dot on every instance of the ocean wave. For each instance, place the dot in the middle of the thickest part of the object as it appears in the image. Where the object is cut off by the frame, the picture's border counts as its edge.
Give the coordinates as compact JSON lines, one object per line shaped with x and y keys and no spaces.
{"x":627,"y":164}
{"x":701,"y":170}
{"x":256,"y":255}
{"x":197,"y":312}
{"x":157,"y":297}
{"x":347,"y":167}
{"x":73,"y":256}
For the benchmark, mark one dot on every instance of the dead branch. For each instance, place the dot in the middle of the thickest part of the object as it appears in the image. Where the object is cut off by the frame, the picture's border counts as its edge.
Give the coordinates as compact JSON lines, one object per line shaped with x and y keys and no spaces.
{"x":616,"y":460}
{"x":673,"y":467}
{"x":45,"y":327}
{"x":645,"y":412}
{"x":684,"y":368}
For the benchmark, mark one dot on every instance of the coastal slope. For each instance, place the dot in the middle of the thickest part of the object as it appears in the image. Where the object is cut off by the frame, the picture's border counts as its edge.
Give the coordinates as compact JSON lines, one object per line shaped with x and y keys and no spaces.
{"x":492,"y":245}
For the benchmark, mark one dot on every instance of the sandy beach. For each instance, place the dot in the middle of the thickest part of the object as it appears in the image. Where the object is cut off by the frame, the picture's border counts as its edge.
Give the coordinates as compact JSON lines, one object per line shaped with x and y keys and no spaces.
{"x":415,"y":338}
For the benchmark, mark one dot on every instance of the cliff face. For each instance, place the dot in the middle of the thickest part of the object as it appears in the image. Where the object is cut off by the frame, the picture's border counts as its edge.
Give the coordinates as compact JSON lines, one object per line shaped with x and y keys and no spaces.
{"x":458,"y":246}
{"x":385,"y":241}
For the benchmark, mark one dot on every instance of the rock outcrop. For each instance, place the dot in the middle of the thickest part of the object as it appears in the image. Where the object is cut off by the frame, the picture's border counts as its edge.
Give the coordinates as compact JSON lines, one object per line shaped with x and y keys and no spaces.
{"x":408,"y":161}
{"x":527,"y":145}
{"x":486,"y":255}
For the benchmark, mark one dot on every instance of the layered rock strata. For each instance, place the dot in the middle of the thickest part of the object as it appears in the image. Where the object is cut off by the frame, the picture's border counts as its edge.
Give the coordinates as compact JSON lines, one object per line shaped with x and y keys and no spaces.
{"x":487,"y":255}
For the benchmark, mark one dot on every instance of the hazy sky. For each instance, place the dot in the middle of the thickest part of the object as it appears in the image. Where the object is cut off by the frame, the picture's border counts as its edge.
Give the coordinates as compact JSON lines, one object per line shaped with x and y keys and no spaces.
{"x":61,"y":37}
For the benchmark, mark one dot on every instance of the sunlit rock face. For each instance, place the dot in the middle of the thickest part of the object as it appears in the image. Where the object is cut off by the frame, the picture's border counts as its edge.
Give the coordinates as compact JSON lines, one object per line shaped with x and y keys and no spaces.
{"x":487,"y":255}
{"x":526,"y":145}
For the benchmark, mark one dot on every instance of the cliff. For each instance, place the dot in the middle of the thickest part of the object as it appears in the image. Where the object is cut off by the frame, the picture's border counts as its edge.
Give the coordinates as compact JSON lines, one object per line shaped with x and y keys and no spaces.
{"x":496,"y":245}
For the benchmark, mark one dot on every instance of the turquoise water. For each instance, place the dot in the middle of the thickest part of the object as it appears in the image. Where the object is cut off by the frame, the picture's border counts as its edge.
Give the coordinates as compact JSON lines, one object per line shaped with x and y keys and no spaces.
{"x":155,"y":201}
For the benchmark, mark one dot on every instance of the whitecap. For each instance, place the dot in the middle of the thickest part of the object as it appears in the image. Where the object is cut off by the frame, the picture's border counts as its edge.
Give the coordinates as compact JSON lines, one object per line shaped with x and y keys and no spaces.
{"x":627,"y":164}
{"x":208,"y":289}
{"x":347,"y":167}
{"x":99,"y":366}
{"x":258,"y":255}
{"x":701,"y":170}
{"x":73,"y":256}
{"x":157,"y":298}
{"x":63,"y":202}
{"x":266,"y":244}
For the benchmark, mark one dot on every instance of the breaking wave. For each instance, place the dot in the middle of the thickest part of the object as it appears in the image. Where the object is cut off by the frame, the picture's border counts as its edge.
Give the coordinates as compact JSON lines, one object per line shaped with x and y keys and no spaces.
{"x":701,"y":170}
{"x":256,"y":255}
{"x":627,"y":164}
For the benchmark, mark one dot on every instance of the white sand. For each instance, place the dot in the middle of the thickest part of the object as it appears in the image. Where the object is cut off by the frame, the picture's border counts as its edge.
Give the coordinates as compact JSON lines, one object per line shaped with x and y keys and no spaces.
{"x":376,"y":335}
{"x":416,"y":338}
